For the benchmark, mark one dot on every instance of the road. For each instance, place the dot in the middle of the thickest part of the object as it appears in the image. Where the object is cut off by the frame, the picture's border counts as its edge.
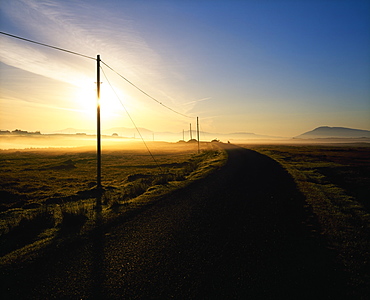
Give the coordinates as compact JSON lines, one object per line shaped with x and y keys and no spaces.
{"x":240,"y":233}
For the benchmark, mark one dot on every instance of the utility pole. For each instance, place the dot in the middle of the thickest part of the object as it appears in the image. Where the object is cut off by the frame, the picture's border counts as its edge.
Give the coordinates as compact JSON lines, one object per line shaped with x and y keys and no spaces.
{"x":198,"y":133}
{"x":183,"y":135}
{"x":191,"y":133}
{"x":98,"y":142}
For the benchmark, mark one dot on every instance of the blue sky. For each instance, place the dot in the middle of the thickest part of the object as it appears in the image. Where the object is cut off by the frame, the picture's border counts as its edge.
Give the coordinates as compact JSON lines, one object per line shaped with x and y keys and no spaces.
{"x":268,"y":67}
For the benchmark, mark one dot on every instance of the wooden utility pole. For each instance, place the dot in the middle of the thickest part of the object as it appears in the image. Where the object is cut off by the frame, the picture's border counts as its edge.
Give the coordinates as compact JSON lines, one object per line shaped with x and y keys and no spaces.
{"x":191,"y":133}
{"x":198,"y":133}
{"x":98,"y":136}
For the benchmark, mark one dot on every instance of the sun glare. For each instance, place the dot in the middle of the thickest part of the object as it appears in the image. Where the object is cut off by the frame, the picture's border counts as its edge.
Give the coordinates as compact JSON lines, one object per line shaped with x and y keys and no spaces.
{"x":110,"y":106}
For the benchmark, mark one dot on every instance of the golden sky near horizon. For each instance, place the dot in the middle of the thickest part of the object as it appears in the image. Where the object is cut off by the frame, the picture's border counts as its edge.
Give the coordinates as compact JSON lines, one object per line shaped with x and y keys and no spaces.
{"x":279,"y":68}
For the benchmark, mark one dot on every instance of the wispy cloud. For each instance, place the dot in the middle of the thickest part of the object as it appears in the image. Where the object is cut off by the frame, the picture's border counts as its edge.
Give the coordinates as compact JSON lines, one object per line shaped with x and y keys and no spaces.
{"x":80,"y":28}
{"x":196,"y":101}
{"x":85,"y":28}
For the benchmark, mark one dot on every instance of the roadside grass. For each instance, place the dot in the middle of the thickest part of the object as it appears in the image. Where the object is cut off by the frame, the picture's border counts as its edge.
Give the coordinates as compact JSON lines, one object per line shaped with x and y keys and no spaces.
{"x":25,"y":230}
{"x":50,"y":195}
{"x":336,"y":183}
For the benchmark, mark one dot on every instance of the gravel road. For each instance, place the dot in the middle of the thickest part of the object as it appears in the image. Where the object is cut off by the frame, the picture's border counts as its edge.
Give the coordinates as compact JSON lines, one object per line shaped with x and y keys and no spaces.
{"x":240,"y":233}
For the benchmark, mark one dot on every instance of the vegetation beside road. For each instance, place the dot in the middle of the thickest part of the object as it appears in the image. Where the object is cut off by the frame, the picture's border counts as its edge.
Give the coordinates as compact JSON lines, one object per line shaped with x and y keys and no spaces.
{"x":335,"y":181}
{"x":49,"y":195}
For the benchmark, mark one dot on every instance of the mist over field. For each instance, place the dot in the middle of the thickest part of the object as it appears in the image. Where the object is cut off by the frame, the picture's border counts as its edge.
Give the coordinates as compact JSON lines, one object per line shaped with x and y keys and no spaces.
{"x":70,"y":140}
{"x":52,"y":141}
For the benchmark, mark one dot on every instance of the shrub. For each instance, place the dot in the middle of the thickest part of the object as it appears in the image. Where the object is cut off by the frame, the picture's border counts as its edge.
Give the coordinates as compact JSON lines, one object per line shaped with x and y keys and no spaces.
{"x":74,"y":216}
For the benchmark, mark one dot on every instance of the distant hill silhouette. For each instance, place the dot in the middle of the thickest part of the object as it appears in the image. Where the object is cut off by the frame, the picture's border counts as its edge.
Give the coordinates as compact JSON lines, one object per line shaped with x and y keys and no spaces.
{"x":75,"y":130}
{"x":128,"y":132}
{"x":334,"y":132}
{"x":322,"y":132}
{"x":170,"y":136}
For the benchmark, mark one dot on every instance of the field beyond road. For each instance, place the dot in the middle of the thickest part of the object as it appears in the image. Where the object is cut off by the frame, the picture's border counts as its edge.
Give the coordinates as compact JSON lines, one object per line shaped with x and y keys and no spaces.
{"x":245,"y":231}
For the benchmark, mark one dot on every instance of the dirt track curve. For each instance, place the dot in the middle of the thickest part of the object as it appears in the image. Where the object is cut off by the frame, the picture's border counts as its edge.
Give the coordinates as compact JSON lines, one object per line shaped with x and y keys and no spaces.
{"x":240,"y":233}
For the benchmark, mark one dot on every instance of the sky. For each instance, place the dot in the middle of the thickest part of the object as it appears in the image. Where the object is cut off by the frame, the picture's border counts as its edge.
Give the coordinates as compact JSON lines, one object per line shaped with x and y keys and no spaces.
{"x":277,"y":68}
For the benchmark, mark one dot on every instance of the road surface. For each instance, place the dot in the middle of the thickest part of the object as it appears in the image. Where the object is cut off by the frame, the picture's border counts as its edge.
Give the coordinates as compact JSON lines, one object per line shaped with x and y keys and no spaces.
{"x":240,"y":233}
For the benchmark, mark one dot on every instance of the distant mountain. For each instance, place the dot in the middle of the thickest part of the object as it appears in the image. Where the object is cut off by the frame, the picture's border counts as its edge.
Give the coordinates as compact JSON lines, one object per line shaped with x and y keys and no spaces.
{"x":252,"y":135}
{"x":334,"y":132}
{"x":121,"y":131}
{"x":75,"y":130}
{"x":127,"y":132}
{"x":171,"y":136}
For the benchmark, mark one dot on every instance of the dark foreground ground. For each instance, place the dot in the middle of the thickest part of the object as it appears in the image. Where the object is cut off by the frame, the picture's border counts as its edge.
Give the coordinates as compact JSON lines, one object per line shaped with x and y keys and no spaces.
{"x":241,"y":233}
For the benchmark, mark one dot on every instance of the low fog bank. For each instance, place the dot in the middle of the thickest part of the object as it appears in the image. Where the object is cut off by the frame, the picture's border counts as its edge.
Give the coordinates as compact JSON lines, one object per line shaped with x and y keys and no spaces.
{"x":70,"y":140}
{"x":51,"y":141}
{"x":85,"y":142}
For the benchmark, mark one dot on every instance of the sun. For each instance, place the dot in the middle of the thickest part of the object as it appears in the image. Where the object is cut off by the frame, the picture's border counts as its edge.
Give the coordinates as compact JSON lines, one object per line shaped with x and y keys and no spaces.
{"x":110,"y":106}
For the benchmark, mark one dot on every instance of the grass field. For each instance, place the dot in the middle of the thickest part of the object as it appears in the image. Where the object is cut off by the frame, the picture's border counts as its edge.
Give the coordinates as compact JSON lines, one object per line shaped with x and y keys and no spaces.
{"x":36,"y":175}
{"x":335,"y":181}
{"x":48,"y":194}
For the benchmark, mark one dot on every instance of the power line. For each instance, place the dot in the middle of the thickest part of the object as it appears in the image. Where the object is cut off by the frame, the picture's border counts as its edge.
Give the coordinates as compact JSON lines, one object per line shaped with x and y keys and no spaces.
{"x":46,"y":45}
{"x":98,"y":59}
{"x":93,"y":58}
{"x":146,"y":94}
{"x":137,"y":129}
